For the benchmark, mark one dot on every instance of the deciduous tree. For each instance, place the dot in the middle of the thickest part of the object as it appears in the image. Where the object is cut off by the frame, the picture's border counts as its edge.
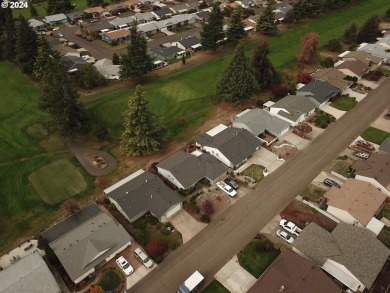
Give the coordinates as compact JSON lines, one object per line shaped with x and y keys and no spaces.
{"x":115,"y":59}
{"x":90,"y":78}
{"x":156,"y":248}
{"x":266,"y":23}
{"x":26,"y":47}
{"x":212,"y":31}
{"x":350,"y":34}
{"x":33,"y":11}
{"x":235,"y":31}
{"x":309,"y":48}
{"x":370,"y":30}
{"x":263,"y":69}
{"x":71,"y":206}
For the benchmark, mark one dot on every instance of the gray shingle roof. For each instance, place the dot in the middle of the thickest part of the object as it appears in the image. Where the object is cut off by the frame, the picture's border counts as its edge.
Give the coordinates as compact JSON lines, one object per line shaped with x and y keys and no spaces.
{"x":100,"y":25}
{"x":234,"y":143}
{"x":188,"y":42}
{"x":385,"y":146}
{"x":321,"y":91}
{"x":333,"y":76}
{"x":55,"y":17}
{"x":163,"y":11}
{"x":296,"y":106}
{"x":72,"y":62}
{"x":354,"y":247}
{"x":189,"y":169}
{"x":75,"y":14}
{"x":30,"y":274}
{"x":166,"y":52}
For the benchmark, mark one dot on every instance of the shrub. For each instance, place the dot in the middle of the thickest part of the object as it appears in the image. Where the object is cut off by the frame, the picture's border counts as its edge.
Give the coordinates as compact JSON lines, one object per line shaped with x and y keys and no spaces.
{"x":168,"y":224}
{"x":156,"y":248}
{"x":164,"y":231}
{"x":304,"y":77}
{"x":205,"y":219}
{"x":139,"y":236}
{"x":172,"y":245}
{"x":153,"y":221}
{"x":207,"y":207}
{"x":99,"y":133}
{"x":158,"y":259}
{"x":112,"y":206}
{"x":140,"y":224}
{"x":334,"y":45}
{"x":158,"y":226}
{"x":327,"y":62}
{"x":194,"y":207}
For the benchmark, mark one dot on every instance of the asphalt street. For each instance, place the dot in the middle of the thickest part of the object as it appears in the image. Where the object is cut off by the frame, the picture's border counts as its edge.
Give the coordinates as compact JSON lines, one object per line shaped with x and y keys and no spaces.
{"x":231,"y":231}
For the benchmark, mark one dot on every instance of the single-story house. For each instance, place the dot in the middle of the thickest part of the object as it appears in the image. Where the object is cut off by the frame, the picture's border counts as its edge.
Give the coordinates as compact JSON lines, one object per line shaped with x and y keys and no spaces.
{"x":292,"y":273}
{"x":29,"y":274}
{"x":181,"y":8}
{"x":355,"y":68}
{"x":333,"y":76}
{"x":75,"y":15}
{"x":380,"y":49}
{"x":376,"y":170}
{"x":203,"y":15}
{"x":321,"y":91}
{"x":72,"y":63}
{"x":144,"y":17}
{"x":143,"y":192}
{"x":120,"y":36}
{"x":107,"y":69}
{"x":385,"y":146}
{"x":163,"y":12}
{"x":356,"y":202}
{"x":260,"y":123}
{"x":115,"y":8}
{"x":35,"y":24}
{"x":148,"y":28}
{"x":184,"y":170}
{"x":99,"y":26}
{"x":96,"y":11}
{"x":122,"y":22}
{"x":188,"y":43}
{"x":85,"y":240}
{"x":246,"y":3}
{"x":167,"y":53}
{"x":363,"y":56}
{"x":250,"y":26}
{"x":281,"y":11}
{"x":232,"y":146}
{"x":55,"y":19}
{"x":294,"y":108}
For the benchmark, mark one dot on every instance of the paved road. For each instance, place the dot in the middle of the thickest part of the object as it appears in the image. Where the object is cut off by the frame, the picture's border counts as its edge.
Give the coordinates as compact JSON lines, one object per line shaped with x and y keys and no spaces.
{"x":231,"y":231}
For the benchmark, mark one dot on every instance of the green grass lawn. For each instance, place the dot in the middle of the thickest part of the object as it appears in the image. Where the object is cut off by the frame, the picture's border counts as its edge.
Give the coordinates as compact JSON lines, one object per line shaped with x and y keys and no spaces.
{"x":375,"y":135}
{"x":215,"y":287}
{"x":313,"y":193}
{"x":41,"y":8}
{"x":110,"y":280}
{"x":254,"y":171}
{"x":343,"y":103}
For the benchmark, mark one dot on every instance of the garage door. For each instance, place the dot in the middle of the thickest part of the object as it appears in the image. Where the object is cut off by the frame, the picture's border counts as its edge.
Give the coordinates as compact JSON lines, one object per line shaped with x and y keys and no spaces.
{"x":173,"y":210}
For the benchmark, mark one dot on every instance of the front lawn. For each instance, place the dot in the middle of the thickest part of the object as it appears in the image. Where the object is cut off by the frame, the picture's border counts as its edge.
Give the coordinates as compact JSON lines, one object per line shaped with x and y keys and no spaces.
{"x":215,"y":287}
{"x":375,"y":135}
{"x":323,"y":120}
{"x":341,"y":165}
{"x":157,"y":36}
{"x":313,"y":193}
{"x":257,"y":256}
{"x":343,"y":103}
{"x":254,"y":171}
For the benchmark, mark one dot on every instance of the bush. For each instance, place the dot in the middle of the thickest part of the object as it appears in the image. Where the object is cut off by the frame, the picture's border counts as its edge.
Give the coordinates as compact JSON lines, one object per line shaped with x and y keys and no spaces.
{"x":172,"y":245}
{"x":207,"y":207}
{"x":194,"y":207}
{"x":156,"y":248}
{"x":168,"y":224}
{"x":334,"y":45}
{"x":99,"y":133}
{"x":327,"y":62}
{"x":164,"y":231}
{"x":139,"y":236}
{"x":304,"y":77}
{"x":140,"y":224}
{"x":279,"y":92}
{"x":158,"y":226}
{"x":153,"y":221}
{"x":158,"y":259}
{"x":205,"y":219}
{"x":112,"y":206}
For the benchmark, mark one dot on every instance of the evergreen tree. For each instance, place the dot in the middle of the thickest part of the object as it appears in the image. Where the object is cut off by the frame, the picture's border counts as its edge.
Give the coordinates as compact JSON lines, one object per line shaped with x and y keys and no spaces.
{"x":334,"y":45}
{"x":115,"y":59}
{"x":263,"y":69}
{"x":59,"y":6}
{"x":300,"y":9}
{"x":212,"y":30}
{"x":90,"y":78}
{"x":266,"y":23}
{"x":238,"y":82}
{"x":350,"y":34}
{"x":26,"y":47}
{"x":60,"y":100}
{"x":7,"y":34}
{"x":387,"y":15}
{"x":45,"y":52}
{"x":235,"y":31}
{"x":33,"y":11}
{"x":370,"y":30}
{"x":289,"y":18}
{"x":136,"y":62}
{"x":143,"y":134}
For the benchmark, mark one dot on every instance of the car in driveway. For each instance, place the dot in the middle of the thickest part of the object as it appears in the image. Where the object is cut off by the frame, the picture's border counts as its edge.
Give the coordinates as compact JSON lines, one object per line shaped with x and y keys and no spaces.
{"x":143,"y":257}
{"x":361,"y":155}
{"x":227,"y":189}
{"x":290,"y":227}
{"x":232,"y":183}
{"x":60,"y":35}
{"x":285,"y":236}
{"x":125,"y":265}
{"x":329,"y":182}
{"x":56,"y":28}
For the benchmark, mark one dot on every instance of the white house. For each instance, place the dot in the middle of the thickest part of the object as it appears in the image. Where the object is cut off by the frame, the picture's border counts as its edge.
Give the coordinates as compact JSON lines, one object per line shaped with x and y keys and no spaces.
{"x":107,"y":69}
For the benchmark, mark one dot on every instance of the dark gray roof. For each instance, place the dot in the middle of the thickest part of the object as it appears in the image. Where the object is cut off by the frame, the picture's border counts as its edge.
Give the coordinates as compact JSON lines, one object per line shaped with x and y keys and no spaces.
{"x":30,"y":274}
{"x":100,"y":25}
{"x":354,"y":247}
{"x":72,"y":62}
{"x":204,"y":14}
{"x":166,"y":52}
{"x":163,"y":11}
{"x":145,"y":192}
{"x":385,"y":146}
{"x":75,"y":14}
{"x":296,"y":106}
{"x":285,"y":8}
{"x":321,"y":91}
{"x":189,"y":41}
{"x":235,"y":144}
{"x":188,"y":169}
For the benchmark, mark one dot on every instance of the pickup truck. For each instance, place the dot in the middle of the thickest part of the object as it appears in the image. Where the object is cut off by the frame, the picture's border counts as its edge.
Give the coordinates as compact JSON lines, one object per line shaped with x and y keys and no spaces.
{"x":227,"y":188}
{"x":290,"y":227}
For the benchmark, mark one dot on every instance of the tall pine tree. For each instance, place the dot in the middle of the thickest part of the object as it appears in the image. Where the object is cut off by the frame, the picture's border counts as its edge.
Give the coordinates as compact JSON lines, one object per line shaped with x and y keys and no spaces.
{"x":7,"y":34}
{"x":136,"y":62}
{"x":235,"y":31}
{"x":370,"y":30}
{"x":59,"y":6}
{"x":212,"y":31}
{"x":350,"y":34}
{"x":26,"y":47}
{"x":143,"y":134}
{"x":266,"y":23}
{"x":45,"y":52}
{"x":238,"y":82}
{"x":263,"y":69}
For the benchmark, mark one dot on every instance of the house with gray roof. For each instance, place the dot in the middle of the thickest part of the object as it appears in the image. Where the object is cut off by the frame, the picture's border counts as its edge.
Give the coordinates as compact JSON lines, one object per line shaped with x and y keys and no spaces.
{"x":354,"y":68}
{"x":35,"y":24}
{"x":232,"y":146}
{"x":361,"y":56}
{"x":107,"y":69}
{"x":188,"y":43}
{"x":75,"y":15}
{"x":143,"y":192}
{"x":163,"y":12}
{"x":379,"y":49}
{"x":333,"y":76}
{"x":99,"y":26}
{"x":72,"y":63}
{"x":294,"y":108}
{"x":121,"y":22}
{"x":385,"y":146}
{"x":321,"y":91}
{"x":29,"y":274}
{"x":260,"y":122}
{"x":166,"y":53}
{"x":351,"y":254}
{"x":85,"y":240}
{"x":184,"y":170}
{"x":55,"y":19}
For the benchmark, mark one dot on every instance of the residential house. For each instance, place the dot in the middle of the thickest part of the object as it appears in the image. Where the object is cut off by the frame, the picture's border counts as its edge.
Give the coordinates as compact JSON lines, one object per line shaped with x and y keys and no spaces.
{"x":55,"y":19}
{"x":354,"y":68}
{"x":149,"y":28}
{"x":281,"y":11}
{"x":143,"y":192}
{"x":184,"y":170}
{"x":250,"y":26}
{"x":72,"y":63}
{"x":203,"y":15}
{"x":190,"y":43}
{"x":333,"y":76}
{"x":294,"y":108}
{"x":166,"y":53}
{"x":75,"y":15}
{"x":98,"y":27}
{"x":147,"y":2}
{"x":385,"y":146}
{"x":262,"y":124}
{"x":380,"y":49}
{"x":321,"y":91}
{"x":232,"y":146}
{"x":86,"y":240}
{"x":351,"y":254}
{"x":292,"y":273}
{"x":29,"y":274}
{"x":144,"y":17}
{"x":107,"y":69}
{"x":229,"y":5}
{"x":376,"y":170}
{"x":131,"y":4}
{"x":356,"y":202}
{"x":363,"y":56}
{"x":119,"y":36}
{"x":122,"y":22}
{"x":163,"y":12}
{"x":116,"y":8}
{"x":35,"y":24}
{"x":181,"y":8}
{"x":97,"y":11}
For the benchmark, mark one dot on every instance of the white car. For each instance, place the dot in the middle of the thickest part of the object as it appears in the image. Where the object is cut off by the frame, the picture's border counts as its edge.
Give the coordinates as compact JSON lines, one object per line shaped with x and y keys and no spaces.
{"x":290,"y":227}
{"x":143,"y":257}
{"x":361,"y":155}
{"x":60,"y":35}
{"x":285,"y":236}
{"x":85,"y":57}
{"x":227,"y":188}
{"x":56,"y":28}
{"x":125,"y":266}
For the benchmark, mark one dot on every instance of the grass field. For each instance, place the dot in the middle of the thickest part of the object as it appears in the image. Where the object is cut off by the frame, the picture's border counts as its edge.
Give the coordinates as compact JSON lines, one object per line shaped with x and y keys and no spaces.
{"x":375,"y":135}
{"x":215,"y":287}
{"x":57,"y":181}
{"x":41,"y":9}
{"x":343,"y":103}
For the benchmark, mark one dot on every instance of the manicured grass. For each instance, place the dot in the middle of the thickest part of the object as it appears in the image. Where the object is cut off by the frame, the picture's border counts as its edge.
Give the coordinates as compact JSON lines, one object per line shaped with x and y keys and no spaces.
{"x":343,"y":103}
{"x":37,"y":131}
{"x":41,"y":8}
{"x":323,"y":120}
{"x":375,"y":135}
{"x":215,"y":287}
{"x":57,"y":181}
{"x":313,"y":193}
{"x":110,"y":280}
{"x":254,"y":171}
{"x":256,"y":260}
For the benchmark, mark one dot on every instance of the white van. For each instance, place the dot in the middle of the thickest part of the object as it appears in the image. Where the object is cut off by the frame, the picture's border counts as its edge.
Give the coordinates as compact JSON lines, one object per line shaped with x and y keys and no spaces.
{"x":143,"y":257}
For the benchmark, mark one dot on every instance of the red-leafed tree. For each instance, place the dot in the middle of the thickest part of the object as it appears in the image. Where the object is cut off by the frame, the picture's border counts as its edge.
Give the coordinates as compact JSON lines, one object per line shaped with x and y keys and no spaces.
{"x":309,"y":48}
{"x":304,"y":77}
{"x":71,"y":206}
{"x":208,"y":207}
{"x":156,"y":248}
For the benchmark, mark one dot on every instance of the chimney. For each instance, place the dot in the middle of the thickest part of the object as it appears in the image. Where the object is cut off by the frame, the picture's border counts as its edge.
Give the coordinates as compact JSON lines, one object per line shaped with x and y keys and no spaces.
{"x":281,"y":289}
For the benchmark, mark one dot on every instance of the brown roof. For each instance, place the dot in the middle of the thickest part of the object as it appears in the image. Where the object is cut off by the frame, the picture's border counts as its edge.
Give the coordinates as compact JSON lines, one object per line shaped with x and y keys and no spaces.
{"x":97,"y":9}
{"x":249,"y":23}
{"x":377,"y":166}
{"x":359,"y":198}
{"x":357,"y":67}
{"x":129,"y":3}
{"x":333,"y":76}
{"x":115,"y":6}
{"x":363,"y":56}
{"x":114,"y":35}
{"x":296,"y":274}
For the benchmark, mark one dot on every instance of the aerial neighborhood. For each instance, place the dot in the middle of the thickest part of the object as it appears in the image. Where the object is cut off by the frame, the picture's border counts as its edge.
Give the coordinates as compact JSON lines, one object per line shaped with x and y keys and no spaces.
{"x":195,"y":146}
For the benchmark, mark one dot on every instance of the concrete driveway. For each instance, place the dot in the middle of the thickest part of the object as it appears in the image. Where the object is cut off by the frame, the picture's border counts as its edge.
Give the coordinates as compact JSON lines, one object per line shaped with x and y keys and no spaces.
{"x":262,"y":157}
{"x":327,"y":108}
{"x":138,"y":274}
{"x":319,"y":180}
{"x":272,"y":225}
{"x":296,"y":140}
{"x":382,"y":123}
{"x":235,"y":278}
{"x":186,"y":225}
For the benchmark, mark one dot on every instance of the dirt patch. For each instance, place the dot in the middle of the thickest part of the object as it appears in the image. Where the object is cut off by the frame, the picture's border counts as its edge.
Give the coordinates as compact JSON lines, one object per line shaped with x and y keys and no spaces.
{"x":302,"y":215}
{"x":284,"y":149}
{"x":340,"y":165}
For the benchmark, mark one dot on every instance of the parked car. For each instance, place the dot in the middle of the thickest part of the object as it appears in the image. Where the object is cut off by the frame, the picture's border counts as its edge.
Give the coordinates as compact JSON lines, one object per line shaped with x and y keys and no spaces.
{"x":232,"y":183}
{"x":285,"y":236}
{"x":143,"y":257}
{"x":125,"y":266}
{"x":290,"y":227}
{"x":330,"y":182}
{"x":227,"y":188}
{"x":361,"y":155}
{"x":60,"y":35}
{"x":85,"y":57}
{"x":56,"y":28}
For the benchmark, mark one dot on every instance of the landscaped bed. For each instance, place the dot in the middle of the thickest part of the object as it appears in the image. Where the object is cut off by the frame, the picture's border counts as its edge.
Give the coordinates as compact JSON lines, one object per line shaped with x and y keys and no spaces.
{"x":254,"y":171}
{"x":323,"y":119}
{"x":215,"y":287}
{"x":341,"y":165}
{"x":344,"y":103}
{"x":375,"y":135}
{"x":313,"y":193}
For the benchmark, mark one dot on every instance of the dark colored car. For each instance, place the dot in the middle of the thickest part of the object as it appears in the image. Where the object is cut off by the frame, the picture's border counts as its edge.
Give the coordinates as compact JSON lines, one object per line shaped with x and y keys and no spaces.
{"x":232,"y":183}
{"x":330,"y":182}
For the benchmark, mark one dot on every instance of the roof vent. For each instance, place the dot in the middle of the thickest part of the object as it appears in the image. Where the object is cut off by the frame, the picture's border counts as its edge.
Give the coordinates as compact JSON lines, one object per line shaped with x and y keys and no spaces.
{"x":281,"y":289}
